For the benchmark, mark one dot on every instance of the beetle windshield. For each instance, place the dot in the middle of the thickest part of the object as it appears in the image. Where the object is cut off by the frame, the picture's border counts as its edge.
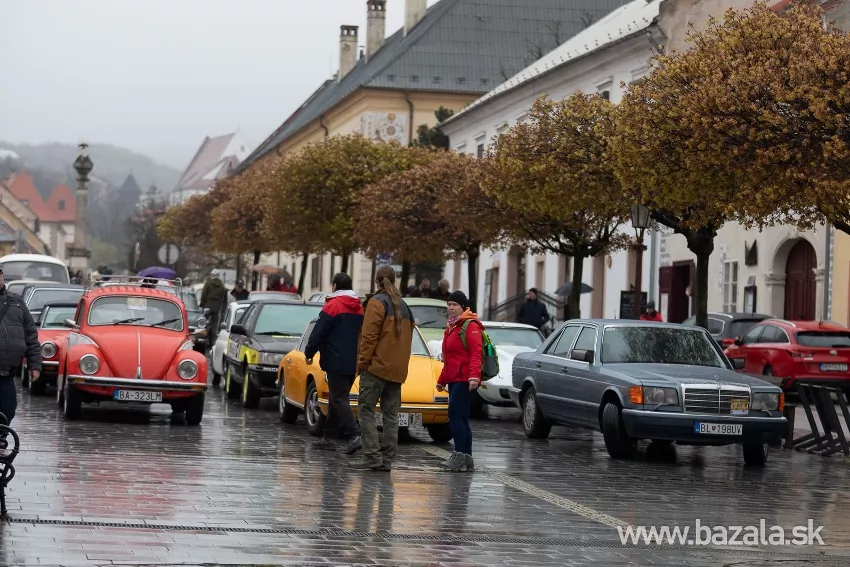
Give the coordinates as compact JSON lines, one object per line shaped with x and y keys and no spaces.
{"x":430,"y":316}
{"x":659,"y":345}
{"x":419,"y":348}
{"x":136,"y":310}
{"x":54,"y":317}
{"x":39,"y":297}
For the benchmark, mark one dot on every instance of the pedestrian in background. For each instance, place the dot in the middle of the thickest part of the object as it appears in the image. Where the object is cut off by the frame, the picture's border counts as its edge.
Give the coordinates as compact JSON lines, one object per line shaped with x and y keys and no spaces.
{"x":214,"y":298}
{"x":651,"y":314}
{"x":533,"y":312}
{"x":461,"y":375}
{"x":19,"y":341}
{"x":335,"y":337}
{"x":239,"y":293}
{"x":442,"y":291}
{"x":383,"y":357}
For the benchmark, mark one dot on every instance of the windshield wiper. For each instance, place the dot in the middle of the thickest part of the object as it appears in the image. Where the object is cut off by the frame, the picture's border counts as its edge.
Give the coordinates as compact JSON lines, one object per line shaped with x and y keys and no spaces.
{"x":166,"y":322}
{"x":277,"y":333}
{"x":125,"y":321}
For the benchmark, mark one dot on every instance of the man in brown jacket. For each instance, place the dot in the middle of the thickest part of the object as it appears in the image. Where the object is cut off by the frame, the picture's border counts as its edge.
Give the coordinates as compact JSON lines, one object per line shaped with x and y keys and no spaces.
{"x":383,"y":357}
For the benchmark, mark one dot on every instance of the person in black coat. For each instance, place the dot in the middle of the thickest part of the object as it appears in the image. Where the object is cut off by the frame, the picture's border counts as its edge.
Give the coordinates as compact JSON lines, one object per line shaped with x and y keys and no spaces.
{"x":18,"y":340}
{"x":533,"y":312}
{"x":336,"y":336}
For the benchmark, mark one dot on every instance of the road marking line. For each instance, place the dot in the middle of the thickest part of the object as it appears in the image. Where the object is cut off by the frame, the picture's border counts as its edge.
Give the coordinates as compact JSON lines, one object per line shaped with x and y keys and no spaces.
{"x":565,"y":503}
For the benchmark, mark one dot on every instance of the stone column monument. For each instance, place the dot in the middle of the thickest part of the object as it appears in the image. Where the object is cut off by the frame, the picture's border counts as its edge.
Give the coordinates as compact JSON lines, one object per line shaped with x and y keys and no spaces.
{"x":79,"y":254}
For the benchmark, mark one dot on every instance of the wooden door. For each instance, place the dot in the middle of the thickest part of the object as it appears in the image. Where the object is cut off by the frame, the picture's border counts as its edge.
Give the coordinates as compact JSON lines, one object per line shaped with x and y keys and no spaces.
{"x":800,"y":290}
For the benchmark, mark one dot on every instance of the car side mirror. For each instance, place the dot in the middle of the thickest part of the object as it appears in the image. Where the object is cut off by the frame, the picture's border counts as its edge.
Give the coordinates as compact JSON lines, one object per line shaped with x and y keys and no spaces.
{"x":738,"y":341}
{"x":582,"y":355}
{"x":738,"y":363}
{"x":70,"y":323}
{"x":238,"y":330}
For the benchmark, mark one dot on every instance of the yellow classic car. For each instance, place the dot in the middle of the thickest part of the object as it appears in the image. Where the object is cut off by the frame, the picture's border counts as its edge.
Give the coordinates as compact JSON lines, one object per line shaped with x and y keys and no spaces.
{"x":304,"y":388}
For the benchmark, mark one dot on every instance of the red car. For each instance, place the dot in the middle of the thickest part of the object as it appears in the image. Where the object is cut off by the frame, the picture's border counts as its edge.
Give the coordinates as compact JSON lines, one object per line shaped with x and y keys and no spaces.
{"x":810,"y":351}
{"x":131,"y":344}
{"x":52,"y":334}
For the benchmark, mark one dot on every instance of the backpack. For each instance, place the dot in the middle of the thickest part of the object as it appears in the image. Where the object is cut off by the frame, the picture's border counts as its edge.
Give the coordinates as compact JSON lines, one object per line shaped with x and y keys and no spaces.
{"x":489,"y":358}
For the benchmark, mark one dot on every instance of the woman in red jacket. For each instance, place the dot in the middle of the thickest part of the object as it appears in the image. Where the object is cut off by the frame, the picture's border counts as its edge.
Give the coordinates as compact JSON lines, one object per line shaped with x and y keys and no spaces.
{"x":461,"y":375}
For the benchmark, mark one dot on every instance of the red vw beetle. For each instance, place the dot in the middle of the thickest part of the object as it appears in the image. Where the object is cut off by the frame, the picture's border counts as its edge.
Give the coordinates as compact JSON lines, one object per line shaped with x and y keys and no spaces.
{"x":52,"y":334}
{"x":130,"y":343}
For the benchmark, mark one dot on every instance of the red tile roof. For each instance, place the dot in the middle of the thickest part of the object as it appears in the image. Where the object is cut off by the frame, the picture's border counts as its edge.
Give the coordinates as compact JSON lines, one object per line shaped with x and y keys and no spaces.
{"x":63,"y":204}
{"x":24,"y":190}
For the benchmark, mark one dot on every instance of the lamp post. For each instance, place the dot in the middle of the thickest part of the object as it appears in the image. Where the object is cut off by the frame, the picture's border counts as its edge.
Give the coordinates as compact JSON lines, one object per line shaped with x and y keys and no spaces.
{"x":79,"y":254}
{"x":640,"y":222}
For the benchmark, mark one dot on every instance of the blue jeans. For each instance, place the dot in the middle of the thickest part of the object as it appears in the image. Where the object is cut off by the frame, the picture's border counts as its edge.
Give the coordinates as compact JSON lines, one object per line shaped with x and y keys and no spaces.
{"x":460,"y":403}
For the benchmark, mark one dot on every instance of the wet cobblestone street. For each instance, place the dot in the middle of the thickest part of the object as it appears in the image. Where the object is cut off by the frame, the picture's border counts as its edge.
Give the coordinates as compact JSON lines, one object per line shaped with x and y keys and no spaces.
{"x":132,"y":488}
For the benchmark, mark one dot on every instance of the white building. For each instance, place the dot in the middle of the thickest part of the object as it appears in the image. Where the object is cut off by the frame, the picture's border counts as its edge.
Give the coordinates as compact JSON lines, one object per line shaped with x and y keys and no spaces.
{"x":214,"y":160}
{"x":615,"y":50}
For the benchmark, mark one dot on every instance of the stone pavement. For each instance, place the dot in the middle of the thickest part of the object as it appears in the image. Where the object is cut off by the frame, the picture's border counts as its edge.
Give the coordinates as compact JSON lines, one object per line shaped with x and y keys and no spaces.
{"x":131,"y":488}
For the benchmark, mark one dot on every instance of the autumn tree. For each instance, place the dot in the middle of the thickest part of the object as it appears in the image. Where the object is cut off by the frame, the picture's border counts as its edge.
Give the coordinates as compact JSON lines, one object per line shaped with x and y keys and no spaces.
{"x":319,"y":188}
{"x":189,"y":224}
{"x":554,"y":175}
{"x":433,"y":137}
{"x":433,"y":210}
{"x":714,"y":134}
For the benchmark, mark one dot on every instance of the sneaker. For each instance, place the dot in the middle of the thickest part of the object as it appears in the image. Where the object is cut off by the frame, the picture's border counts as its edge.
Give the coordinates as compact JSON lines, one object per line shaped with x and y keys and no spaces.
{"x":446,"y":463}
{"x":324,"y":444}
{"x":457,"y":463}
{"x":363,"y":465}
{"x":470,"y":463}
{"x":353,"y":446}
{"x":385,"y":467}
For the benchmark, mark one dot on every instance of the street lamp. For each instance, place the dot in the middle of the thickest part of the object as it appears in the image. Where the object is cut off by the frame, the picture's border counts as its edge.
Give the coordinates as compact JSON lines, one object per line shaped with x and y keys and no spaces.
{"x":640,"y":222}
{"x":79,"y":253}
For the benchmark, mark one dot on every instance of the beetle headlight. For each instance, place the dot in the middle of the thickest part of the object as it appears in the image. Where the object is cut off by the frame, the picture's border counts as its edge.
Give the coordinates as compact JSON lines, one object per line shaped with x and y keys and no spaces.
{"x":765,"y":401}
{"x":187,"y":369}
{"x":201,"y":322}
{"x":48,"y":349}
{"x":271,"y":358}
{"x":89,"y":364}
{"x":660,"y":396}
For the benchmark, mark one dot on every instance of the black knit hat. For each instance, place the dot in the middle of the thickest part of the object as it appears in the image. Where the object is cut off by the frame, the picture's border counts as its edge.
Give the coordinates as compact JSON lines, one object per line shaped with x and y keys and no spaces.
{"x":460,"y":298}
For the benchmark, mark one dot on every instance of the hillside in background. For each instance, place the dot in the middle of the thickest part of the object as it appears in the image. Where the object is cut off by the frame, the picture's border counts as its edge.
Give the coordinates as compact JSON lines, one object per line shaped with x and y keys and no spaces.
{"x":53,"y":163}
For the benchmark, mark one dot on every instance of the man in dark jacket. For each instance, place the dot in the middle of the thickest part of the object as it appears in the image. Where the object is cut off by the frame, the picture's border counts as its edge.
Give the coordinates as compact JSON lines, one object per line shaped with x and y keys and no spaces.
{"x":533,"y":312}
{"x":214,"y":298}
{"x":335,"y":337}
{"x":239,"y":292}
{"x":18,"y":340}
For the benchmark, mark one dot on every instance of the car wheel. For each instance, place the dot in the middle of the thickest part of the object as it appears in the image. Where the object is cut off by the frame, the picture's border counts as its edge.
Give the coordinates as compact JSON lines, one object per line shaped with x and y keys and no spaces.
{"x":533,"y":421}
{"x":288,"y":412}
{"x":230,"y":386}
{"x":755,"y":454}
{"x":619,"y":445}
{"x":72,"y":405}
{"x":195,"y":409}
{"x":216,"y":376}
{"x":440,"y":432}
{"x":250,"y":392}
{"x":478,"y":409}
{"x":37,"y":388}
{"x":312,"y":411}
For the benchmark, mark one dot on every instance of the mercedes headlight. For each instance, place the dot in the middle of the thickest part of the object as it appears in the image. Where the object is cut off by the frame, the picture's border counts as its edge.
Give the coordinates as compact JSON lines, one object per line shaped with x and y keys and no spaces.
{"x":187,"y":369}
{"x":271,"y":358}
{"x":765,"y":401}
{"x":48,"y":349}
{"x":89,"y":364}
{"x":201,"y":322}
{"x":660,"y":396}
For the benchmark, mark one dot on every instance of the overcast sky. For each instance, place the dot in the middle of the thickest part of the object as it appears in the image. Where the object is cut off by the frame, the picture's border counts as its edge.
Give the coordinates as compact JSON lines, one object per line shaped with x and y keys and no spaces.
{"x":157,"y":76}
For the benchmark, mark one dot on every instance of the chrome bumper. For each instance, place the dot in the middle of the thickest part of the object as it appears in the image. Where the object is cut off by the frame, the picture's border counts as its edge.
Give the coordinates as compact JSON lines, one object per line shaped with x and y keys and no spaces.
{"x":49,"y":363}
{"x":133,"y":384}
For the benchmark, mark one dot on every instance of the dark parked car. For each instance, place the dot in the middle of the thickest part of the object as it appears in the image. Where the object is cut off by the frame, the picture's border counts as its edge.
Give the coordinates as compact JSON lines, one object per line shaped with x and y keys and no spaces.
{"x":635,"y":380}
{"x":726,"y":327}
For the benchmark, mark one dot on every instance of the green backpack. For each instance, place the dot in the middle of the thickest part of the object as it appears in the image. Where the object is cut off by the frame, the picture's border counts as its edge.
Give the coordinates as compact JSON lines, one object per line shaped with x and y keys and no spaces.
{"x":489,"y":358}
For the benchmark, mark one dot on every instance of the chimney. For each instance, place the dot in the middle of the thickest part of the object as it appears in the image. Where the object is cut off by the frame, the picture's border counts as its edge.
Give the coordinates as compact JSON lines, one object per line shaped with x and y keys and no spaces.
{"x":376,"y":26}
{"x":347,"y":50}
{"x":414,"y":11}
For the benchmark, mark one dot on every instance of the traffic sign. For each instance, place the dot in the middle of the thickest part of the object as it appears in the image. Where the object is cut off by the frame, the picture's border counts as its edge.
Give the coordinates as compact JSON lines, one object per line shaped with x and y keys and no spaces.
{"x":384,"y":258}
{"x":168,"y":254}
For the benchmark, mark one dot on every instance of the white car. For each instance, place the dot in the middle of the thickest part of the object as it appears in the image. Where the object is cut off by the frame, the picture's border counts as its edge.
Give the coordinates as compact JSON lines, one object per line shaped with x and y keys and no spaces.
{"x":219,"y":349}
{"x":510,"y":339}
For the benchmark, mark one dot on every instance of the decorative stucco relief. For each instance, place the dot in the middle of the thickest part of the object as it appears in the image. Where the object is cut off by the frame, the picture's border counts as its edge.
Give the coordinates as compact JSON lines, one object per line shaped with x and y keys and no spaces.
{"x":384,"y":126}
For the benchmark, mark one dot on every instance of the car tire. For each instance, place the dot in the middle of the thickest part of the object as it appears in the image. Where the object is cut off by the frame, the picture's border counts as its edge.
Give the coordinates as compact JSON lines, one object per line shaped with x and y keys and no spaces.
{"x":440,"y":432}
{"x":216,"y":376}
{"x":250,"y":392}
{"x":755,"y":454}
{"x":72,"y":405}
{"x":534,"y":423}
{"x":313,"y":413}
{"x":38,"y":387}
{"x":195,"y":409}
{"x":768,"y":371}
{"x":288,"y":412}
{"x":230,"y":387}
{"x":618,"y":443}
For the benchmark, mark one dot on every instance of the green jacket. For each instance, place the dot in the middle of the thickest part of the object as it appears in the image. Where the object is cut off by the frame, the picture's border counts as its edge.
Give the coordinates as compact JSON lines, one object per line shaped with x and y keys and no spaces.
{"x":214,"y":295}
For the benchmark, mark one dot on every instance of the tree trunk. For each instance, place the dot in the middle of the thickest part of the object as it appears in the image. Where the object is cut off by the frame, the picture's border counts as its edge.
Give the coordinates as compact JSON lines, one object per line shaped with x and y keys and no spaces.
{"x":405,"y":277}
{"x":239,"y":266}
{"x":574,"y":300}
{"x":701,"y":243}
{"x":305,"y":261}
{"x":472,"y":273}
{"x":345,"y":257}
{"x":255,"y":276}
{"x":374,"y":272}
